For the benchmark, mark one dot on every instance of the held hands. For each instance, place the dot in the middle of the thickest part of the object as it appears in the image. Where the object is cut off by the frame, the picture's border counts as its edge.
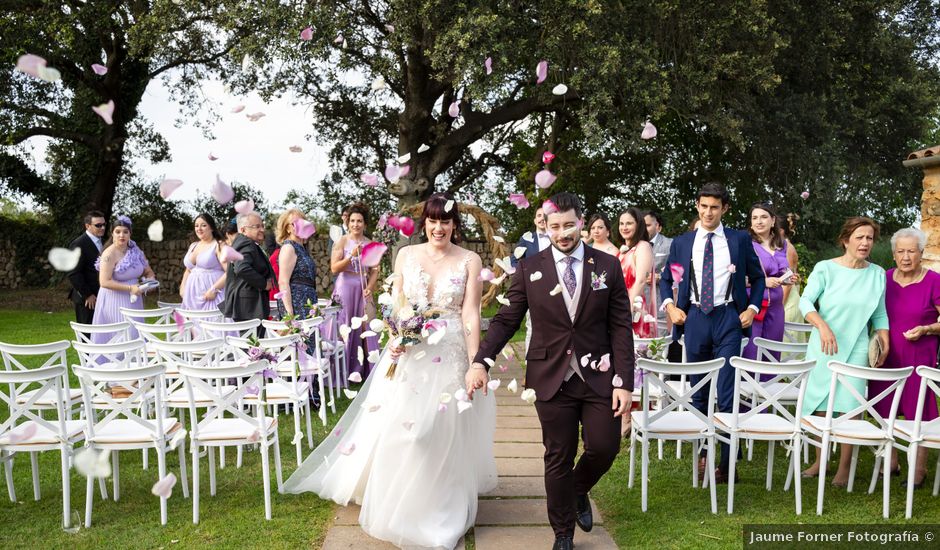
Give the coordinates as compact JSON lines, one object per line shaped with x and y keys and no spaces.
{"x":476,"y":379}
{"x":747,"y":317}
{"x":676,"y":315}
{"x":621,"y":401}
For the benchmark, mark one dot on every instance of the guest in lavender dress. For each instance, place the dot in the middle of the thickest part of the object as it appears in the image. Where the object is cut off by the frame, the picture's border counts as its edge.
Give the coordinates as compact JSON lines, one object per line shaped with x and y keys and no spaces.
{"x":912,"y":298}
{"x":354,"y":288}
{"x":120,"y":268}
{"x":203,"y":284}
{"x":774,"y":253}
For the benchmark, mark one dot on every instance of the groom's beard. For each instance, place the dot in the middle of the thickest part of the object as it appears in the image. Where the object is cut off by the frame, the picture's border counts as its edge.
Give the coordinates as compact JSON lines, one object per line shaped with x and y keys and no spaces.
{"x":566,"y":244}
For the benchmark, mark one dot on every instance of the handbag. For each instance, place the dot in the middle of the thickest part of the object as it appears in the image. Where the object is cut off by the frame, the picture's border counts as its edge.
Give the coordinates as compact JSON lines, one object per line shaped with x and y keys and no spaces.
{"x":764,"y":304}
{"x":874,"y":350}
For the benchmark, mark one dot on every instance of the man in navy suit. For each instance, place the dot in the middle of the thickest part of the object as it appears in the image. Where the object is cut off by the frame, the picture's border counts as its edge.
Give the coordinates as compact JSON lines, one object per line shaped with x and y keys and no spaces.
{"x":712,"y":306}
{"x":537,"y":242}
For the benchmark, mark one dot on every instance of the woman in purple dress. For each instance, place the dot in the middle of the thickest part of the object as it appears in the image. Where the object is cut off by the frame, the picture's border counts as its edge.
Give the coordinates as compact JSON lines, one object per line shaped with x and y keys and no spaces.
{"x":912,"y":298}
{"x":203,"y":284}
{"x":354,"y":288}
{"x":774,"y":253}
{"x":120,"y":268}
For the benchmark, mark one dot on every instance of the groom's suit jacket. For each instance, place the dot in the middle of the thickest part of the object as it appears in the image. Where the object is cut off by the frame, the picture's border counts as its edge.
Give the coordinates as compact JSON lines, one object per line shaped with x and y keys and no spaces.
{"x":602,"y":324}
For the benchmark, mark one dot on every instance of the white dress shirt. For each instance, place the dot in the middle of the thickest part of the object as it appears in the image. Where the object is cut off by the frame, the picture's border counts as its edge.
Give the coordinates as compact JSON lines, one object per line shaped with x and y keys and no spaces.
{"x":543,"y":240}
{"x":721,"y":263}
{"x":95,"y":239}
{"x":562,"y":266}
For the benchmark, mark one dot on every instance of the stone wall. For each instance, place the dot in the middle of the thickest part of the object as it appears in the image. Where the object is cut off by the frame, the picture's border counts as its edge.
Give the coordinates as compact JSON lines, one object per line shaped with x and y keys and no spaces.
{"x":9,"y":278}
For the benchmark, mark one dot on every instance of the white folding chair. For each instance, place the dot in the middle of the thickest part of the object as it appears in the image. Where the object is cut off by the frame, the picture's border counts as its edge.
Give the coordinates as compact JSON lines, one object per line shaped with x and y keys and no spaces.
{"x":155,"y":316}
{"x":213,"y":429}
{"x":766,"y":417}
{"x":796,"y":332}
{"x":289,"y":388}
{"x":849,"y":428}
{"x":333,"y":346}
{"x":275,"y":313}
{"x":51,"y":354}
{"x":673,"y":424}
{"x":222,"y":329}
{"x":122,"y":428}
{"x":119,"y":331}
{"x":657,"y":396}
{"x":918,"y":433}
{"x":173,"y":305}
{"x":35,"y":434}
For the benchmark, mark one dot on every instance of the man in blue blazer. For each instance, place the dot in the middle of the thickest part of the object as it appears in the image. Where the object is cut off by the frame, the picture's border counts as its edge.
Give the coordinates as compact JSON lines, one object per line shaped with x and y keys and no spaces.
{"x":537,"y":242}
{"x":712,"y":307}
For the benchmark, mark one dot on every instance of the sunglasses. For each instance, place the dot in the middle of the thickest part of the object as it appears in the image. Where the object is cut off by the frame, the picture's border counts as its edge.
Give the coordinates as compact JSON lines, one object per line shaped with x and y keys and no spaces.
{"x":100,"y":225}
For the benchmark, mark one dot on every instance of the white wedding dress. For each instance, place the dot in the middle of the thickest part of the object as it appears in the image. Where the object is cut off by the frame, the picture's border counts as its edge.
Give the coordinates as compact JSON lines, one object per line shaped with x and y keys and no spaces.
{"x":416,"y":470}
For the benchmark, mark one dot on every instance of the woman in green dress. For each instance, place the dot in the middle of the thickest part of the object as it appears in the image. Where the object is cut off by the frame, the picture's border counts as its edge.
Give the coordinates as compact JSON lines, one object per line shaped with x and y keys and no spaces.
{"x":844,"y":297}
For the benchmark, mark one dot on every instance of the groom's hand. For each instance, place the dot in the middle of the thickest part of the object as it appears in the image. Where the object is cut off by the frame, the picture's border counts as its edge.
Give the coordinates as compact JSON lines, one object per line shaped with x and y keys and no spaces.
{"x":622,"y":399}
{"x":476,"y":379}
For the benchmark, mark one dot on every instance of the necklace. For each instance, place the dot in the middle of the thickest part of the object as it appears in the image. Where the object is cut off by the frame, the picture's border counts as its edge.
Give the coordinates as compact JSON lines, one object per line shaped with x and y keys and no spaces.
{"x":427,"y":252}
{"x":905,"y":281}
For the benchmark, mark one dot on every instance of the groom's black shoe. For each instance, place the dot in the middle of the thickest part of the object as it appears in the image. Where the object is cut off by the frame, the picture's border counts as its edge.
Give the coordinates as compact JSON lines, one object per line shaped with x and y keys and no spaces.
{"x":563,"y":543}
{"x":583,"y":515}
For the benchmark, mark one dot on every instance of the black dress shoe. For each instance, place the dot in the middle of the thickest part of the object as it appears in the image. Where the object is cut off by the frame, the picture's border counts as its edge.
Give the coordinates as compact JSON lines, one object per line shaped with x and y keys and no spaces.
{"x":563,"y":543}
{"x":583,"y":515}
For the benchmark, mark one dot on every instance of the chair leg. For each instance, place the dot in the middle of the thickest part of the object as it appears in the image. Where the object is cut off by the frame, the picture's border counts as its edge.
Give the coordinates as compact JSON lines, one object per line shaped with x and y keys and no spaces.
{"x":211,"y":452}
{"x":195,"y":458}
{"x":644,"y":469}
{"x":34,"y":467}
{"x":886,"y":484}
{"x":299,"y":445}
{"x":66,"y":488}
{"x":795,"y":472}
{"x":116,"y":474}
{"x":184,"y":479}
{"x":310,"y":422}
{"x":876,"y":469}
{"x":695,"y":454}
{"x":823,"y":460}
{"x":89,"y":498}
{"x":771,"y":445}
{"x":221,"y":458}
{"x":161,"y":468}
{"x":103,"y":488}
{"x":238,"y":456}
{"x":732,"y":464}
{"x":7,"y":459}
{"x":711,"y":474}
{"x":936,"y":477}
{"x":146,"y":458}
{"x":266,"y":477}
{"x":678,"y":450}
{"x":911,"y":465}
{"x":277,"y":465}
{"x":632,"y":453}
{"x":750,"y":449}
{"x":852,"y":467}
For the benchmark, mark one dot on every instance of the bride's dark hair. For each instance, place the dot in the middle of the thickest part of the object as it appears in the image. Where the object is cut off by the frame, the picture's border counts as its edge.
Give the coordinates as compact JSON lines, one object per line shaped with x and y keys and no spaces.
{"x":436,"y":209}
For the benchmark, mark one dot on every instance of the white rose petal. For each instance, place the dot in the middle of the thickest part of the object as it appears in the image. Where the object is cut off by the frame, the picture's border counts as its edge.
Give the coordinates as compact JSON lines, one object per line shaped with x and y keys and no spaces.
{"x":513,"y":386}
{"x":528,"y":395}
{"x":535,"y":276}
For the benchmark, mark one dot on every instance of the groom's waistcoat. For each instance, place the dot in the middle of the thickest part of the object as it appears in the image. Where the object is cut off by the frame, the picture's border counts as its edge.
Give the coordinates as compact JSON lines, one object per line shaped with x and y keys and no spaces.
{"x":579,"y":332}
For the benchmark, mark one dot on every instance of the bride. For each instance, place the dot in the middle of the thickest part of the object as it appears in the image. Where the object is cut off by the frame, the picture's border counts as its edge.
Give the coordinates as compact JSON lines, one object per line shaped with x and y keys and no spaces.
{"x":408,"y":449}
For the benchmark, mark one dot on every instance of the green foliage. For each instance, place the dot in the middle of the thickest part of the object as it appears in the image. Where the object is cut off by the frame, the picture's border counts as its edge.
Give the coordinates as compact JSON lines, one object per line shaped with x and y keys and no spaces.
{"x":32,"y":235}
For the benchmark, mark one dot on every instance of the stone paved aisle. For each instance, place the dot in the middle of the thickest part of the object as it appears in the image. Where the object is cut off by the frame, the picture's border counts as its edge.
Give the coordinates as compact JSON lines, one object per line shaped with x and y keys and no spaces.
{"x":513,"y":515}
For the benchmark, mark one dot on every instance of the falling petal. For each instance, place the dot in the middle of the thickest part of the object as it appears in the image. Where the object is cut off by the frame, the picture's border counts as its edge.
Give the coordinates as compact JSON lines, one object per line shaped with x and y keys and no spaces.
{"x":541,"y":71}
{"x":677,"y":272}
{"x":355,"y":377}
{"x":155,"y":231}
{"x":403,"y":171}
{"x":498,"y":280}
{"x":221,"y":191}
{"x":372,"y":253}
{"x":370,"y":179}
{"x":489,"y":361}
{"x":503,"y":368}
{"x":423,"y":148}
{"x":804,"y":195}
{"x":505,"y":265}
{"x":246,"y":62}
{"x":406,"y":226}
{"x":336,"y":233}
{"x":344,"y":331}
{"x":441,"y":407}
{"x":519,"y":200}
{"x":493,"y":385}
{"x":254,"y":437}
{"x":28,"y":432}
{"x":295,"y":149}
{"x":371,"y":408}
{"x":454,"y":109}
{"x":367,"y":334}
{"x":408,"y":424}
{"x":350,"y":394}
{"x":30,"y":64}
{"x":528,"y":237}
{"x":339,"y":39}
{"x":376,"y":325}
{"x":303,"y":228}
{"x":488,"y":65}
{"x":528,"y":395}
{"x":356,"y":322}
{"x":390,"y":28}
{"x":446,"y":398}
{"x":486,"y":274}
{"x":348,"y":449}
{"x":374,"y":356}
{"x":513,"y":386}
{"x":167,"y":187}
{"x":392,"y":173}
{"x":246,"y":206}
{"x":649,"y":131}
{"x":548,"y":157}
{"x":555,"y":291}
{"x":307,"y":34}
{"x":378,"y":83}
{"x":255,"y":117}
{"x":164,"y":487}
{"x":585,"y":360}
{"x":229,"y":254}
{"x":617,"y":381}
{"x":178,"y":438}
{"x":404,"y":158}
{"x":548,"y":208}
{"x":91,"y":463}
{"x":544,"y":179}
{"x":298,"y":437}
{"x":449,"y":205}
{"x":435,"y":338}
{"x":502,"y":299}
{"x":63,"y":259}
{"x":105,"y":111}
{"x":535,"y":276}
{"x":49,"y":74}
{"x":99,"y":69}
{"x":463,"y":406}
{"x":337,"y":432}
{"x":212,"y":157}
{"x":238,"y":108}
{"x":561,"y":89}
{"x":499,"y":239}
{"x":519,"y":252}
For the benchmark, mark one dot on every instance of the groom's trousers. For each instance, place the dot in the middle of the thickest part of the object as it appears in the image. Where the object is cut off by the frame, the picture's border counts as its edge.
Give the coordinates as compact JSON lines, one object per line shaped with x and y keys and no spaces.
{"x":575,"y":406}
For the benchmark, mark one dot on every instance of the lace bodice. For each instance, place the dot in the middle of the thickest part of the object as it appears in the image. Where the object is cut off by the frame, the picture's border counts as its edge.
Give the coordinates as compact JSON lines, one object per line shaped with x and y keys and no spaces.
{"x":446,"y":292}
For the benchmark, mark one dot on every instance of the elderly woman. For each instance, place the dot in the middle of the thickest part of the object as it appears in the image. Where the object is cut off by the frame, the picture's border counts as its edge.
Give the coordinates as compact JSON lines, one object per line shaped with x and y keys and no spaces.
{"x":843,"y":298}
{"x":912,"y":299}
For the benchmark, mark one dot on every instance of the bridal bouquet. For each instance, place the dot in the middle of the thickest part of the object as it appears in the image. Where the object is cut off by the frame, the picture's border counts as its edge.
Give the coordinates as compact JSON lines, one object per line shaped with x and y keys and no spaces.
{"x":408,"y":324}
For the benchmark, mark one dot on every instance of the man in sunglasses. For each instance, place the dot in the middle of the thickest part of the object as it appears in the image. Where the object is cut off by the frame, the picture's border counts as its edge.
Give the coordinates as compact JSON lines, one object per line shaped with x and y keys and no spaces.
{"x":84,"y":277}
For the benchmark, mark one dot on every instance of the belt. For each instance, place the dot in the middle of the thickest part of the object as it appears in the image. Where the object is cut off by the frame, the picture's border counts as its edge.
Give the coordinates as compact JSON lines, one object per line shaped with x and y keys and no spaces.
{"x":726,"y":304}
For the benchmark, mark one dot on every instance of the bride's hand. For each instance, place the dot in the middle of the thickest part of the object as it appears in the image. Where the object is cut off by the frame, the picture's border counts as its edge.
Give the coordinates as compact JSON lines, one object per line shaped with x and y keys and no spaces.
{"x":476,"y":379}
{"x":397,"y":352}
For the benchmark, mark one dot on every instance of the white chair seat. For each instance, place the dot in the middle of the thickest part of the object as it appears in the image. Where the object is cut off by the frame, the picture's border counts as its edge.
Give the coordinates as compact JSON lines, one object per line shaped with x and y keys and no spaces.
{"x":181,"y":396}
{"x":855,"y":429}
{"x":930,"y":431}
{"x":674,"y":422}
{"x":47,"y":398}
{"x":44,"y":436}
{"x":283,"y":391}
{"x":758,"y":424}
{"x":789,"y":396}
{"x":232,"y":428}
{"x":125,"y":430}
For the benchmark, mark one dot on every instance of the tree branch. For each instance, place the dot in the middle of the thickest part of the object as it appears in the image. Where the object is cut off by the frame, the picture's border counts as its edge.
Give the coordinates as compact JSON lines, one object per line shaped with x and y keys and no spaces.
{"x":21,"y":136}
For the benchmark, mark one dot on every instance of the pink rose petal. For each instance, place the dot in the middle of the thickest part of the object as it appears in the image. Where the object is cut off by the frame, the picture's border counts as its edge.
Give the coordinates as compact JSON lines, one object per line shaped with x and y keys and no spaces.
{"x":548,"y":157}
{"x":238,"y":108}
{"x":105,"y":111}
{"x":403,"y":171}
{"x":307,"y":34}
{"x":337,"y":432}
{"x":436,"y":360}
{"x":246,"y":206}
{"x":486,"y":274}
{"x":231,"y":255}
{"x":502,"y":368}
{"x":355,"y":377}
{"x":212,"y":157}
{"x":519,"y":200}
{"x":548,"y":207}
{"x":347,"y":449}
{"x":541,"y":71}
{"x":164,"y":487}
{"x":392,"y":173}
{"x":339,"y":39}
{"x":221,"y":191}
{"x":167,"y":187}
{"x":454,"y":109}
{"x":295,"y":149}
{"x":544,"y":179}
{"x":407,"y":226}
{"x":617,"y":381}
{"x":23,"y":435}
{"x":180,"y":321}
{"x":255,"y":117}
{"x":804,"y":195}
{"x":372,"y":253}
{"x":30,"y":64}
{"x":304,"y":229}
{"x":99,"y":69}
{"x":441,"y":407}
{"x":370,"y":179}
{"x":278,"y":295}
{"x":488,"y":65}
{"x":604,"y":364}
{"x":649,"y":131}
{"x":677,"y":272}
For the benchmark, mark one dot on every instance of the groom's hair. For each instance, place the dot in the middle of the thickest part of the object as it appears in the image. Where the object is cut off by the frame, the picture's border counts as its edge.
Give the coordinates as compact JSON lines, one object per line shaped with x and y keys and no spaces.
{"x":567,"y":201}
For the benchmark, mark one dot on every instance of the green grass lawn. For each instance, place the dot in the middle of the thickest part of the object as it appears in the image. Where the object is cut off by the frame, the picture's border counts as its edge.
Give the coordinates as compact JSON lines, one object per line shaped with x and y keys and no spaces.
{"x":233,"y":518}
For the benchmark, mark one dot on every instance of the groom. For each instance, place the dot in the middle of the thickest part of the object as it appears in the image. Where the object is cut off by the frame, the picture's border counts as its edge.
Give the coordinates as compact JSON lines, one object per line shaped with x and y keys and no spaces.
{"x":580,"y":361}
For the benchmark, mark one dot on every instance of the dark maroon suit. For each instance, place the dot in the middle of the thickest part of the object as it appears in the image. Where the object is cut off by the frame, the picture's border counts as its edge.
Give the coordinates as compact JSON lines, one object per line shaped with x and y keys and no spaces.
{"x":602,"y":325}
